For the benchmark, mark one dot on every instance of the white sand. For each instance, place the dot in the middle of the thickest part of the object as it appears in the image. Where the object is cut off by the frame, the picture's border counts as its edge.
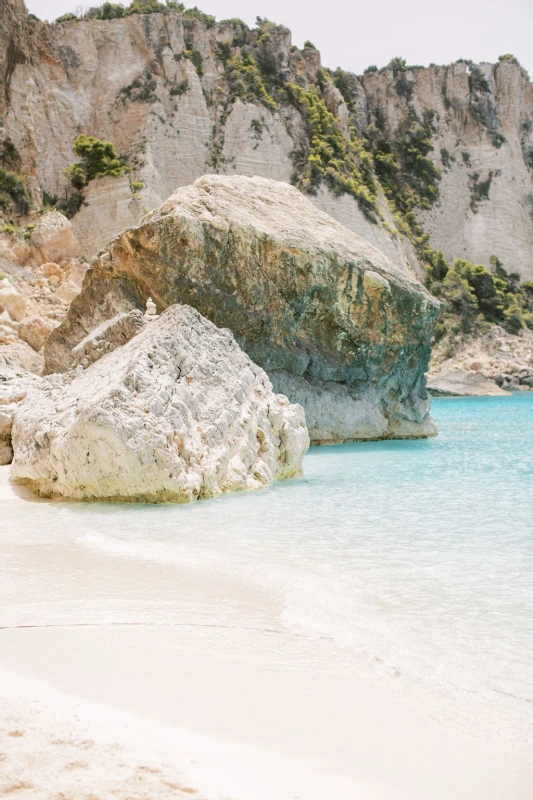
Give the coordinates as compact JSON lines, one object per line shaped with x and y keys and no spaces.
{"x":166,"y":709}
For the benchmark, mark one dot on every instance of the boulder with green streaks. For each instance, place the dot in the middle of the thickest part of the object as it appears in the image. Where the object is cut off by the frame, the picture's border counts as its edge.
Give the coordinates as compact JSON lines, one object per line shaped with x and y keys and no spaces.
{"x":338,"y":327}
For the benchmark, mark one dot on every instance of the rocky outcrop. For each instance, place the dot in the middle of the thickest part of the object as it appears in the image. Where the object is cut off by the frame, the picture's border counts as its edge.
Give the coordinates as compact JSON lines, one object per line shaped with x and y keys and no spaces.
{"x":460,"y":383}
{"x":14,"y":249}
{"x":33,"y":301}
{"x":501,"y":358}
{"x":176,"y":414}
{"x":15,"y":381}
{"x":52,"y":239}
{"x":480,"y":120}
{"x":332,"y":320}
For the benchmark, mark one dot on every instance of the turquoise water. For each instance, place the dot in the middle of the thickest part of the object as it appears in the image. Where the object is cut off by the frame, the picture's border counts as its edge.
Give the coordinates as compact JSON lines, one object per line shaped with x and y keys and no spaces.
{"x":416,"y":555}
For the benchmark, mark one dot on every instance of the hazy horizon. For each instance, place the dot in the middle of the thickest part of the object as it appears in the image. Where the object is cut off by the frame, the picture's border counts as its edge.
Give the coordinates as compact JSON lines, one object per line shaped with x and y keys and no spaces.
{"x":353,"y":38}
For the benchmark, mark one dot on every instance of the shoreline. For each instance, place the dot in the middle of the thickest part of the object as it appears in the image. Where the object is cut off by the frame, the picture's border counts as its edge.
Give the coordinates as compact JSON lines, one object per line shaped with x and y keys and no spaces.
{"x":208,"y":691}
{"x":221,"y":728}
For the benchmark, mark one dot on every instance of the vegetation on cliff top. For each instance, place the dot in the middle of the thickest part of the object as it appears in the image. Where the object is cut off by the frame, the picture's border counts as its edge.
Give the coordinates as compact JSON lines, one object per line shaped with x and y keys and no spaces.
{"x":343,"y":163}
{"x":118,"y":10}
{"x":361,"y":157}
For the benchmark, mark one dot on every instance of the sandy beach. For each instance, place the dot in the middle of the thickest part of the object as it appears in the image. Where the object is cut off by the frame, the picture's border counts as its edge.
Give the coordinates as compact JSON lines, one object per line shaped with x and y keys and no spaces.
{"x":105,"y":694}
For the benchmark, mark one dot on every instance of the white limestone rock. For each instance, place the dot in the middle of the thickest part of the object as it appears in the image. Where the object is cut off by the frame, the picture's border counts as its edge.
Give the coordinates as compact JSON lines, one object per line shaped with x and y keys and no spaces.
{"x":176,"y":414}
{"x":13,"y":249}
{"x":14,"y":384}
{"x":337,"y":412}
{"x":492,"y":353}
{"x":67,"y":292}
{"x":6,"y":453}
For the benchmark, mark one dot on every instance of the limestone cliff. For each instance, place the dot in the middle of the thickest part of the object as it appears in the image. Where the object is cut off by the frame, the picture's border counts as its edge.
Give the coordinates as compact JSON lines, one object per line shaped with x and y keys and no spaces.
{"x":338,"y":327}
{"x":181,"y":97}
{"x":481,"y":123}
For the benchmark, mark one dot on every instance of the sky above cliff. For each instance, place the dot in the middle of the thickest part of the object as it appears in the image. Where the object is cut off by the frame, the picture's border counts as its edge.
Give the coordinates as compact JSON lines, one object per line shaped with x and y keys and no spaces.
{"x":355,"y":35}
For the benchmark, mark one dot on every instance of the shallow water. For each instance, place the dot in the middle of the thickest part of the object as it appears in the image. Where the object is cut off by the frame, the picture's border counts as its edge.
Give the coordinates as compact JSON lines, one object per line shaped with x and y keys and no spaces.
{"x":415,"y":555}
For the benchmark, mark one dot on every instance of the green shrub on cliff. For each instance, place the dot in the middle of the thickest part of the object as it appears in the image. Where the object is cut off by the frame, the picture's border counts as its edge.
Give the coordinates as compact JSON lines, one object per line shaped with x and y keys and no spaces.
{"x":246,"y":81}
{"x":342,"y":163}
{"x":348,"y":86}
{"x":397,"y":65}
{"x":13,"y":193}
{"x":118,"y":10}
{"x":471,"y":291}
{"x":10,"y":156}
{"x":477,"y":81}
{"x":195,"y":13}
{"x":406,"y":172}
{"x":197,"y":59}
{"x":106,"y":11}
{"x":479,"y":190}
{"x":402,"y":84}
{"x":66,"y":18}
{"x":508,"y":58}
{"x":97,"y":159}
{"x":141,"y":90}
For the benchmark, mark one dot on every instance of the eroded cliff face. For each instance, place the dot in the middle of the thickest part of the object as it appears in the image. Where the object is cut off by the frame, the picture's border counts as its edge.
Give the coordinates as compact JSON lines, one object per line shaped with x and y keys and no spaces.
{"x":129,"y":81}
{"x":177,"y":96}
{"x":481,"y":118}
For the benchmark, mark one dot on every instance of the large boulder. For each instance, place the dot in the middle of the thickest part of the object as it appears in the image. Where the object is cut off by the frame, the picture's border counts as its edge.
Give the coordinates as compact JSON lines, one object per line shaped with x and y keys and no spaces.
{"x":337,"y":326}
{"x":52,"y":239}
{"x":176,"y":414}
{"x":35,"y":331}
{"x":12,"y":301}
